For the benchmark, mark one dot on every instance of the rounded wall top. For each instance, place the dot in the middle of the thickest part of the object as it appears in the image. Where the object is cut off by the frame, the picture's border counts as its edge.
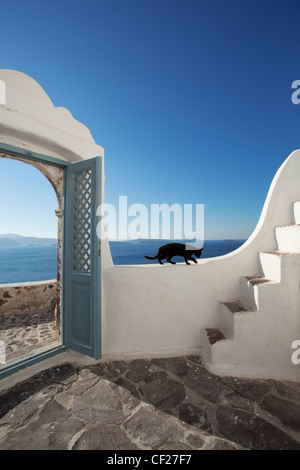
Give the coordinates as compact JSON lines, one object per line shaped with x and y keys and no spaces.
{"x":23,"y":100}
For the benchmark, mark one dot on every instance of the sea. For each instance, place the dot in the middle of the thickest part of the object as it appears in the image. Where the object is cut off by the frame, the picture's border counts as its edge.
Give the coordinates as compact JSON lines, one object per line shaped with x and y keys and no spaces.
{"x":38,"y":263}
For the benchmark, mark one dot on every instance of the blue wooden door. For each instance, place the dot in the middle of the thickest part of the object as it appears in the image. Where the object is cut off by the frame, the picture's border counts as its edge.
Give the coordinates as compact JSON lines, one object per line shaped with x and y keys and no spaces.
{"x":82,"y":261}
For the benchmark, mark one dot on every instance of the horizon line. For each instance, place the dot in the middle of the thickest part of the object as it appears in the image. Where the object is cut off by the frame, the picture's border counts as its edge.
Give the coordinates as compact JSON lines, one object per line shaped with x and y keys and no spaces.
{"x":125,"y":239}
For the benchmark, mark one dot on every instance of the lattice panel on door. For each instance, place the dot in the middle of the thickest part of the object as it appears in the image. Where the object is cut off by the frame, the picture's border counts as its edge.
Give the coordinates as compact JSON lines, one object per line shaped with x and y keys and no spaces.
{"x":82,"y":221}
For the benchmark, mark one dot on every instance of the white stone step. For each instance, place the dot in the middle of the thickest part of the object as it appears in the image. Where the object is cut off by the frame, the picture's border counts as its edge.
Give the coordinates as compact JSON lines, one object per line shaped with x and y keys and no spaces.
{"x":280,"y":266}
{"x":271,"y":265}
{"x":252,"y":334}
{"x":230,"y":311}
{"x":288,"y":238}
{"x":246,"y":348}
{"x":297,"y":212}
{"x":208,"y":337}
{"x":250,"y":290}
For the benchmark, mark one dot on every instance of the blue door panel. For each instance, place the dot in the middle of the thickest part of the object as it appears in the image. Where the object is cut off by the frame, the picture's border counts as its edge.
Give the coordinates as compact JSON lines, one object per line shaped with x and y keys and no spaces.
{"x":82,"y":262}
{"x":81,"y":319}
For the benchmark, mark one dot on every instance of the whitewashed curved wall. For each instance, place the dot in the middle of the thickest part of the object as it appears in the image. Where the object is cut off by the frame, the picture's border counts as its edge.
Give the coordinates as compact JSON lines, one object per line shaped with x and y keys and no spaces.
{"x":155,"y":310}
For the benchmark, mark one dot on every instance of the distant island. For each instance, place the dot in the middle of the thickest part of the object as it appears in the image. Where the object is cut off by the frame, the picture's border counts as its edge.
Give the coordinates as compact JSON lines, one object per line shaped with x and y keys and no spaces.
{"x":12,"y":239}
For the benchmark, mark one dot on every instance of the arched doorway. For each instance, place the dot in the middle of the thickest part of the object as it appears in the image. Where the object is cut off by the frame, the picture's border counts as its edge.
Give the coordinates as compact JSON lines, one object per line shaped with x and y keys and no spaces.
{"x":30,"y":311}
{"x":78,"y":187}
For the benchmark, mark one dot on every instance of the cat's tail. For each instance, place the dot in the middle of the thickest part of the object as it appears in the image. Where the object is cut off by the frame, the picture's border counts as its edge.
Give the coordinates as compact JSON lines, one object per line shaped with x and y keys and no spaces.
{"x":153,"y":257}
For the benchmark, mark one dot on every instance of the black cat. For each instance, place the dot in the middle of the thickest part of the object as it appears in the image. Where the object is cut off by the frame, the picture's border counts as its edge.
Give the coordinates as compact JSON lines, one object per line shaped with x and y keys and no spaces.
{"x":176,"y":249}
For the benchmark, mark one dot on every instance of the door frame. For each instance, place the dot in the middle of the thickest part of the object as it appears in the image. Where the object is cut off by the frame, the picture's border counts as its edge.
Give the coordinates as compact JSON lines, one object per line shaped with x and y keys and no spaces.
{"x":52,"y":351}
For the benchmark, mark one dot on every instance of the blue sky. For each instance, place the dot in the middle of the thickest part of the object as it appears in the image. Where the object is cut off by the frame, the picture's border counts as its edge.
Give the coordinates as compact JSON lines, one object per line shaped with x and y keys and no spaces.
{"x":190,"y":99}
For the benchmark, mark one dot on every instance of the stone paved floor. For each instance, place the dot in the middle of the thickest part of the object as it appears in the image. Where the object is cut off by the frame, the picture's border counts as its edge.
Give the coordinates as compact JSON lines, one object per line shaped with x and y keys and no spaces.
{"x":166,"y":404}
{"x":27,"y":333}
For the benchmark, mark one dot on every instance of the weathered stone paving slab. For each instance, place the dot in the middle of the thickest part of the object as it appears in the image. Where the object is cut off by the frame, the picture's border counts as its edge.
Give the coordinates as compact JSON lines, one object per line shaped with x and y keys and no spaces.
{"x":159,"y":404}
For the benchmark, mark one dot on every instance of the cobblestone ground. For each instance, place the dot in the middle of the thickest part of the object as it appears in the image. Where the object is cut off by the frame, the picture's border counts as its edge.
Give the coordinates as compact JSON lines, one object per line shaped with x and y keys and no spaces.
{"x":28,"y":333}
{"x":163,"y":404}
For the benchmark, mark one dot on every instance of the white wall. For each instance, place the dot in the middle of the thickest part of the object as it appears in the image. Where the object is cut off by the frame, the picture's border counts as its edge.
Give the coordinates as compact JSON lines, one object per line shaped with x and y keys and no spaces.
{"x":155,"y":310}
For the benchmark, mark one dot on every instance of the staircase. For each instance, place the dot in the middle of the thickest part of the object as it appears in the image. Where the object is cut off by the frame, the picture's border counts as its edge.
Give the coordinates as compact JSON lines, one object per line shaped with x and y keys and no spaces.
{"x":254,"y":333}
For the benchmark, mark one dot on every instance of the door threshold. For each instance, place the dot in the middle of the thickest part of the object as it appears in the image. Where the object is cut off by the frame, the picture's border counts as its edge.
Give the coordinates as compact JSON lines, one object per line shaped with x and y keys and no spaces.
{"x":28,"y":361}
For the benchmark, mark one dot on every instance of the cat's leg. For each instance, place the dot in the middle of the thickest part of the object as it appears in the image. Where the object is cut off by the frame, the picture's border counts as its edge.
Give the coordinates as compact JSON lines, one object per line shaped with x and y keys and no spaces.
{"x":160,"y":260}
{"x":170,"y":260}
{"x":186,"y":261}
{"x":193,"y":259}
